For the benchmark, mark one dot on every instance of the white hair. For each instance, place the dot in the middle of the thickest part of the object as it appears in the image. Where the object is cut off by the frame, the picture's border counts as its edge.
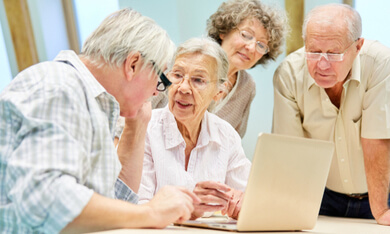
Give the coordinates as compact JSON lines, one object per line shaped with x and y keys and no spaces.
{"x":124,"y":32}
{"x":350,"y":17}
{"x":207,"y":46}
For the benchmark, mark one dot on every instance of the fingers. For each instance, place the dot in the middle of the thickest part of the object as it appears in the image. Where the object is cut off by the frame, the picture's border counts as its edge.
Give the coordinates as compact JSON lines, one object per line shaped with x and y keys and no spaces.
{"x":185,"y":207}
{"x":214,"y":185}
{"x":195,"y":199}
{"x":212,"y":192}
{"x":234,"y":205}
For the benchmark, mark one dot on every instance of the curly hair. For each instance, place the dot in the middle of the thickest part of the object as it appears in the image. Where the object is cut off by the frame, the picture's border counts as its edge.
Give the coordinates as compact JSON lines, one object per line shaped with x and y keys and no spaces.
{"x":231,"y":13}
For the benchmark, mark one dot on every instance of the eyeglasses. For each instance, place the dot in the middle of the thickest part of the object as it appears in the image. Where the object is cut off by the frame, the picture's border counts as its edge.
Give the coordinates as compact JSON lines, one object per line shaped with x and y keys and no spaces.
{"x":164,"y":82}
{"x":331,"y":57}
{"x":196,"y":81}
{"x":246,"y":36}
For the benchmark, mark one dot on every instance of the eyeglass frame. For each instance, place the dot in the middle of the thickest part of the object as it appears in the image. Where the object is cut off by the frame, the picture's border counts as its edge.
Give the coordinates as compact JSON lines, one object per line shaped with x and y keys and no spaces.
{"x":258,"y":43}
{"x":163,"y":79}
{"x":189,"y":78}
{"x":325,"y":55}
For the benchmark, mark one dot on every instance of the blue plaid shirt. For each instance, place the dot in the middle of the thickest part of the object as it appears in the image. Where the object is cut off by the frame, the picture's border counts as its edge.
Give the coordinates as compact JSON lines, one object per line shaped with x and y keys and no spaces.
{"x":56,"y":146}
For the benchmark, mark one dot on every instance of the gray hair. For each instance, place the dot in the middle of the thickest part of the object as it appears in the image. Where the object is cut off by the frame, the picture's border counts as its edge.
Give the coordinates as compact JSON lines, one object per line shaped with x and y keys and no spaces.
{"x":124,"y":32}
{"x":207,"y":46}
{"x":231,"y":13}
{"x":350,"y":16}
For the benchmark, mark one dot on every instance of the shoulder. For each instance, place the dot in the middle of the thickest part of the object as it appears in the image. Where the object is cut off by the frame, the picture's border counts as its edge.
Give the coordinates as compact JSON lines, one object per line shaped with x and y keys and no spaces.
{"x":48,"y":79}
{"x":159,"y":117}
{"x":293,"y":63}
{"x":374,"y":50}
{"x":221,"y":126}
{"x":246,"y":86}
{"x":246,"y":79}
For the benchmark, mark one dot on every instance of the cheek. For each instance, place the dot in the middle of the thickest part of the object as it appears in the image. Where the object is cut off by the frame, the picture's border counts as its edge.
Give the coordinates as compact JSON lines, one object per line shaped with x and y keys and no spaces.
{"x":311,"y":67}
{"x":171,"y":93}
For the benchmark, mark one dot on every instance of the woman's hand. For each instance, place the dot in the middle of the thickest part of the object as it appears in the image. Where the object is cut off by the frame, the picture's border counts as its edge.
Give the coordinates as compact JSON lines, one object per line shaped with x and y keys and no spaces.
{"x":234,"y":205}
{"x":214,"y":196}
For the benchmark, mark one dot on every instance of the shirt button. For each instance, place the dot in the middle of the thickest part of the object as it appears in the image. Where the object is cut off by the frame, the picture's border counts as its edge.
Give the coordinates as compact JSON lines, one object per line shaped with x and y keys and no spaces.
{"x":339,"y":138}
{"x":342,"y":160}
{"x":345,"y":181}
{"x":327,"y":99}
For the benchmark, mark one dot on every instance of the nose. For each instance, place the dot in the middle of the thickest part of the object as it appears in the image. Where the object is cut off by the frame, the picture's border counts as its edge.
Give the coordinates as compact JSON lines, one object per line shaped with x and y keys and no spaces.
{"x":184,"y":86}
{"x":323,"y":64}
{"x":251,"y":46}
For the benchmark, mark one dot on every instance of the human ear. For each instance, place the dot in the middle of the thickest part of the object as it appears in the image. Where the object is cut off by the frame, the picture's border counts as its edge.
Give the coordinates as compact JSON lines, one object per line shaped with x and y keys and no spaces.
{"x":360,"y":44}
{"x":218,"y":96}
{"x":132,"y":64}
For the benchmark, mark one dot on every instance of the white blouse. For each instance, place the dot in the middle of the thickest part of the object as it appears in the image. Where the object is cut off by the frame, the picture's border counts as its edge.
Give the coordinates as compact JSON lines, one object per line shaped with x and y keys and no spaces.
{"x":218,"y":155}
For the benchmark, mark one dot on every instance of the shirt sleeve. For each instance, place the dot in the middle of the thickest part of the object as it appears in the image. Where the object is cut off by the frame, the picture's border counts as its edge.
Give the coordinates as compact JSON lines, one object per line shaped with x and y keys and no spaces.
{"x":286,"y":116}
{"x":123,"y":192}
{"x":148,"y":184}
{"x":376,"y":101}
{"x":49,"y":159}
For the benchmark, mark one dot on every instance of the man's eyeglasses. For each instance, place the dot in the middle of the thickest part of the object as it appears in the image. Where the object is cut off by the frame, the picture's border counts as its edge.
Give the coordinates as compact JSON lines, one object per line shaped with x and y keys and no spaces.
{"x":246,"y":36}
{"x":331,"y":57}
{"x":164,"y":82}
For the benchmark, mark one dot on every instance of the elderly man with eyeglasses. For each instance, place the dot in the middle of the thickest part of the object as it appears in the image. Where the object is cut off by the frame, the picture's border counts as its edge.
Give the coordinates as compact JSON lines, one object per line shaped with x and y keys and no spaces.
{"x":59,"y":170}
{"x":337,"y":88}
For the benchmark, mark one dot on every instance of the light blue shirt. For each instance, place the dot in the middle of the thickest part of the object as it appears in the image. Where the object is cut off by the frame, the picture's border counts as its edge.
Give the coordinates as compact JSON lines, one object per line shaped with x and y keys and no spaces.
{"x":56,"y":146}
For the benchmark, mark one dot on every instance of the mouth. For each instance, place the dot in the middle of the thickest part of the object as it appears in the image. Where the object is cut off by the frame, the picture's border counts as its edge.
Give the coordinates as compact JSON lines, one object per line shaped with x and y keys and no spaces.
{"x":183,"y":104}
{"x":243,"y":56}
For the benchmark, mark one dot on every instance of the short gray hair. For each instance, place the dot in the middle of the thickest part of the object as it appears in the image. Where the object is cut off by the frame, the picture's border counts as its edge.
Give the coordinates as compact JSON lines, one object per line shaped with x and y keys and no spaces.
{"x":124,"y":32}
{"x":207,"y":46}
{"x":231,"y":13}
{"x":351,"y":19}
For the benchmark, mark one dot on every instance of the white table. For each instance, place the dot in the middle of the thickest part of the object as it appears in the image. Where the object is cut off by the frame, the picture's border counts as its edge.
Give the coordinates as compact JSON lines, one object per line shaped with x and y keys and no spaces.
{"x":325,"y":224}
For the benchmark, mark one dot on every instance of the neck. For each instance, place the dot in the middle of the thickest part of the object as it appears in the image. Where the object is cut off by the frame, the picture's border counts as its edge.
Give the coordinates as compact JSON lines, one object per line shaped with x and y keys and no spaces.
{"x":103,"y":74}
{"x":232,"y":77}
{"x":190,"y":131}
{"x":335,"y":93}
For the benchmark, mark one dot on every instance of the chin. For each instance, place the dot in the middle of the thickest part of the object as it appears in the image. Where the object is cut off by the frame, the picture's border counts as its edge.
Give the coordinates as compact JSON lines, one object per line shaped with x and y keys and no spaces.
{"x":128,"y":114}
{"x":326,"y":85}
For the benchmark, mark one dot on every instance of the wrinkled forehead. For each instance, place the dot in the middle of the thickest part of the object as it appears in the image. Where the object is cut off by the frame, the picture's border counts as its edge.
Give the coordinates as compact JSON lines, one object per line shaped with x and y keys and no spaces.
{"x":197,"y":62}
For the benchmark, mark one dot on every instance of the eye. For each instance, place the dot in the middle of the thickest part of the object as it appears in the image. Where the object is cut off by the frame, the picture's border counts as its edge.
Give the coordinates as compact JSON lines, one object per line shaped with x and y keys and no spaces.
{"x":261,"y":45}
{"x":246,"y":35}
{"x":198,"y":80}
{"x":177,"y":75}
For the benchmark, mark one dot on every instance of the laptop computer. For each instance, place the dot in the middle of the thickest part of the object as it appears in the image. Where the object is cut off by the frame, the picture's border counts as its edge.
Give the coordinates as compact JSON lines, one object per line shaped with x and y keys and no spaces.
{"x":285,"y":186}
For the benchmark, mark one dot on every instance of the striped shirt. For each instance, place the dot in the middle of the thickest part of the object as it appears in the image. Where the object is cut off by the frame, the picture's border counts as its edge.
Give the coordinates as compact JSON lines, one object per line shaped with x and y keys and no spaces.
{"x":56,"y":146}
{"x":217,"y":156}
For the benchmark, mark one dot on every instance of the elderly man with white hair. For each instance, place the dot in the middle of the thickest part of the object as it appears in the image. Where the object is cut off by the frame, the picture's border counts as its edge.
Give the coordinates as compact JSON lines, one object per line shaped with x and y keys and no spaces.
{"x":337,"y":88}
{"x":59,"y":170}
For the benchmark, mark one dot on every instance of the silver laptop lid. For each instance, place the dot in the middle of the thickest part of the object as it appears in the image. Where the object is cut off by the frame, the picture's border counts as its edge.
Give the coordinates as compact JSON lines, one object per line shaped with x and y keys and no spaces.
{"x":286,"y":183}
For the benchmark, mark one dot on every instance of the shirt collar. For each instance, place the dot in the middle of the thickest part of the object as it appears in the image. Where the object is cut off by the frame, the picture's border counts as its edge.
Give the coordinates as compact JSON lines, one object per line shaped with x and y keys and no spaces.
{"x":71,"y":58}
{"x":106,"y":101}
{"x":173,"y":137}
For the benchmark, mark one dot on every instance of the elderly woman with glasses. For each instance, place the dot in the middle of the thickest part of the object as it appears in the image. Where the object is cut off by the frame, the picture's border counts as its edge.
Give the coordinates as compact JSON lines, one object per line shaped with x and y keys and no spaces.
{"x":251,"y":33}
{"x":190,"y":147}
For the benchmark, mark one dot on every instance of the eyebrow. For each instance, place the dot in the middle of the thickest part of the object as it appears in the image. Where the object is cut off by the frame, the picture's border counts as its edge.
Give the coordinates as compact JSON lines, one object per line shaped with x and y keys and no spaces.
{"x":254,"y":34}
{"x":201,"y":71}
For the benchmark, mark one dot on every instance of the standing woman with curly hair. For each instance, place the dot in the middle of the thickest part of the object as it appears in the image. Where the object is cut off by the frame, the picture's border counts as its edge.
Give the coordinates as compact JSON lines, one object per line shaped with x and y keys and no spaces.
{"x":251,"y":33}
